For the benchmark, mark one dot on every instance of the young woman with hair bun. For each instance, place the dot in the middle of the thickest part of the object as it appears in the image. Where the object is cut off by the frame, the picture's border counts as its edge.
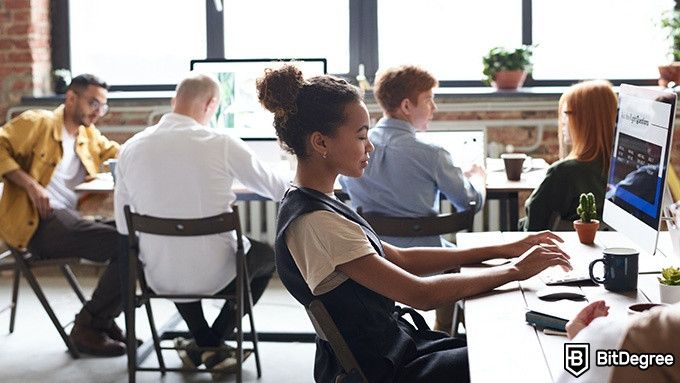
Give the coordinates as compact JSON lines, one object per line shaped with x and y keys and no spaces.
{"x":325,"y":251}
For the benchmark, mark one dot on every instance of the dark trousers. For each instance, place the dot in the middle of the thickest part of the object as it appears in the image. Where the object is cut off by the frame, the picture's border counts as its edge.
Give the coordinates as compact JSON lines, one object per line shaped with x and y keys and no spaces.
{"x":64,"y":235}
{"x":438,"y":359}
{"x":260,"y":262}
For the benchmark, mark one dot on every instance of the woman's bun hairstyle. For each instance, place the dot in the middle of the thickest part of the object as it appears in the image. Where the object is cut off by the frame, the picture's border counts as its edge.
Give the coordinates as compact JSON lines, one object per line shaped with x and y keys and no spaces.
{"x":277,"y":91}
{"x":301,"y":106}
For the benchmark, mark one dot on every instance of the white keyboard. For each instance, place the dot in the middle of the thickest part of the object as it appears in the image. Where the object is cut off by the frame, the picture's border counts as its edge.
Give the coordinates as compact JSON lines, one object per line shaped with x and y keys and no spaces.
{"x":560,"y":277}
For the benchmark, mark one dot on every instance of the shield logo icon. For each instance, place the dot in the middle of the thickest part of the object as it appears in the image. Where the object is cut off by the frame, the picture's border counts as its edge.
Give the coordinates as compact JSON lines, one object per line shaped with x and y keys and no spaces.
{"x":576,"y":358}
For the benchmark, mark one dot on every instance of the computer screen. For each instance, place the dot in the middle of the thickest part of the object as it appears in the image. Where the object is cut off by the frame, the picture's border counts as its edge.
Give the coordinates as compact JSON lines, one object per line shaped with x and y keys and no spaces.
{"x":465,"y":146}
{"x":637,"y":170}
{"x":239,"y":108}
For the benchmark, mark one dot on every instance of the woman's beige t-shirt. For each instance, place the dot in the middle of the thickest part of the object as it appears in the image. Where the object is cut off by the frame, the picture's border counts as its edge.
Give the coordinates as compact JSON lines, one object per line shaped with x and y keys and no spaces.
{"x":320,"y":241}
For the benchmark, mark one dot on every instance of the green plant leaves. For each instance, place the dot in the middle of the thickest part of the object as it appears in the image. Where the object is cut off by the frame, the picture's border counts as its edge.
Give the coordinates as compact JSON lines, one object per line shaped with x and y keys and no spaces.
{"x":587,"y":208}
{"x":670,"y":276}
{"x":499,"y":59}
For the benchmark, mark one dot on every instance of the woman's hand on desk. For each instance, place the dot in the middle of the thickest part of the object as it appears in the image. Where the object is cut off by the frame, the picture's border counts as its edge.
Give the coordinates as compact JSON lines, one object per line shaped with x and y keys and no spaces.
{"x":538,"y":258}
{"x":546,"y":237}
{"x":585,"y":316}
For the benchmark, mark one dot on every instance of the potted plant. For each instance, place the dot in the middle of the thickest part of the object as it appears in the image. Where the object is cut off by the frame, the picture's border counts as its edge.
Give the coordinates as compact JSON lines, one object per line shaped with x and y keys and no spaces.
{"x":587,"y":225}
{"x":670,"y":23}
{"x":507,"y":69}
{"x":669,"y":285}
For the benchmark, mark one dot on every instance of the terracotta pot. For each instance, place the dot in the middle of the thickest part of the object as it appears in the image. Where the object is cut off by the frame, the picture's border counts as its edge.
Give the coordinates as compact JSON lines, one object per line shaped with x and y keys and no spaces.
{"x":668,"y":73}
{"x":509,"y":79}
{"x":586,"y":230}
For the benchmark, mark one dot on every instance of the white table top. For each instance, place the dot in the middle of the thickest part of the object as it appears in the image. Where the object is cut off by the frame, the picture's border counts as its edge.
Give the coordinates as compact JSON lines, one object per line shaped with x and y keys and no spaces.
{"x":503,"y":347}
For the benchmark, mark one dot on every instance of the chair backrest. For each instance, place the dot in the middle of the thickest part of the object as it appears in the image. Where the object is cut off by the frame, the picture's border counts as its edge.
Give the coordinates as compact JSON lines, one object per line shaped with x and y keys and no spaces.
{"x":327,"y":330}
{"x":180,"y":227}
{"x":421,"y":226}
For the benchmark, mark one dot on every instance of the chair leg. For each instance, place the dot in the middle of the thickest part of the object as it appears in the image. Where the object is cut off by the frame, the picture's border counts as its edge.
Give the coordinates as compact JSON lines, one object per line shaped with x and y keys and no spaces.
{"x":131,"y":340}
{"x":154,"y":334}
{"x":71,"y":279}
{"x":130,"y":326}
{"x":33,"y":282}
{"x":241,"y":282}
{"x":15,"y":297}
{"x":458,"y":318}
{"x":253,"y":331}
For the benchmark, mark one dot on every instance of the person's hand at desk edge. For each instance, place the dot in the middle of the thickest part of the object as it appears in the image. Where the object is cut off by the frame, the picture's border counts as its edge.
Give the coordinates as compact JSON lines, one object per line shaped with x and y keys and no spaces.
{"x":531,"y":252}
{"x":585,"y":316}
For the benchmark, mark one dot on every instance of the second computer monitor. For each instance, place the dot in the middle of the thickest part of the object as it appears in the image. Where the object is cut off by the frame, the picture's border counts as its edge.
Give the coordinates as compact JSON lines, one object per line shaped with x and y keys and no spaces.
{"x":637,"y":170}
{"x":240,"y":110}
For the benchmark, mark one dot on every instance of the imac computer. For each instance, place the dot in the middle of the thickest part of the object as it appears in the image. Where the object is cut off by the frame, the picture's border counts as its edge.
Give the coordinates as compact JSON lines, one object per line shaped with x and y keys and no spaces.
{"x":240,"y":111}
{"x":239,"y":108}
{"x":636,"y":183}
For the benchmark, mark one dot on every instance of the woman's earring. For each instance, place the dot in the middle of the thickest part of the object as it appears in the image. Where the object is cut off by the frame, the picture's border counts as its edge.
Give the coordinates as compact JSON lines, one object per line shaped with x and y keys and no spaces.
{"x":324,"y":155}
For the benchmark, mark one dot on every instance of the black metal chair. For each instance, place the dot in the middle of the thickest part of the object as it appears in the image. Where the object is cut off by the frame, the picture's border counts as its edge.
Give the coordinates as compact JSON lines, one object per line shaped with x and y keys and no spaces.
{"x":224,"y":222}
{"x":23,"y":263}
{"x":441,"y":224}
{"x":327,"y":330}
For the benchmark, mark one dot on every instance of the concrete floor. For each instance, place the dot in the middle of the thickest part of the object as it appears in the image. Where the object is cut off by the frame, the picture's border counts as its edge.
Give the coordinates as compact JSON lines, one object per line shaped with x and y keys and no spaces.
{"x":36,"y":353}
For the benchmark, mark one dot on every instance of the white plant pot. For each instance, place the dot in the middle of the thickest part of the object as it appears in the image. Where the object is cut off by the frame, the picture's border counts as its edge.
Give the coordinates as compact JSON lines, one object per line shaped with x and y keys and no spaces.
{"x":669,"y":294}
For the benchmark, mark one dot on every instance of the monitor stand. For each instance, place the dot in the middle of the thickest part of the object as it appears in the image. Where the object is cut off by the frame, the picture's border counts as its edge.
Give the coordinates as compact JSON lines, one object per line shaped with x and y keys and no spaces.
{"x":672,"y":225}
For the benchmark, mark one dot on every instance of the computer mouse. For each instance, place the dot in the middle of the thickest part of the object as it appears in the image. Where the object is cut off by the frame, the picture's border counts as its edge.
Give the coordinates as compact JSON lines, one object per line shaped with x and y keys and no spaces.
{"x":555,"y":293}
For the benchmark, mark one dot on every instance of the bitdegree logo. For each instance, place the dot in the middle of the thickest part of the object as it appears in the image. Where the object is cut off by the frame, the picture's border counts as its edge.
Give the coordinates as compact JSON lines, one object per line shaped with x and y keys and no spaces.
{"x":577,"y":359}
{"x":642,"y":361}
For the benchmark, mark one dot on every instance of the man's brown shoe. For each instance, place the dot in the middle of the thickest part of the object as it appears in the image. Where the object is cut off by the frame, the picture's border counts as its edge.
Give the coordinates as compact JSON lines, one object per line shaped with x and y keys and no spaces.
{"x":96,"y":342}
{"x":116,"y":333}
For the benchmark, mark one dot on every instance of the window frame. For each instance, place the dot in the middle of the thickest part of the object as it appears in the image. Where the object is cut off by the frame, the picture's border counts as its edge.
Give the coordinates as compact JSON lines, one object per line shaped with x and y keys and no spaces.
{"x":363,"y":44}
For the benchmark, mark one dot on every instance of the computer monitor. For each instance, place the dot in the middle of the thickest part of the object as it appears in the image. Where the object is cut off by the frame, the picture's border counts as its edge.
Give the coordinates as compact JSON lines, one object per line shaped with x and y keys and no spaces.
{"x":239,"y":108}
{"x":637,"y":170}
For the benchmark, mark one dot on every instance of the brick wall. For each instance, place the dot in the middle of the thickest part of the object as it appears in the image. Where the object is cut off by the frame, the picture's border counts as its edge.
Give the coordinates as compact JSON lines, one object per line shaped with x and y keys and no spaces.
{"x":25,"y":61}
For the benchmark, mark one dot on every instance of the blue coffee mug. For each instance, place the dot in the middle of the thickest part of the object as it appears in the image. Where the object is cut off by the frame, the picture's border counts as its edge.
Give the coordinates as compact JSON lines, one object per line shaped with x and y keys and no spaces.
{"x":620,"y":269}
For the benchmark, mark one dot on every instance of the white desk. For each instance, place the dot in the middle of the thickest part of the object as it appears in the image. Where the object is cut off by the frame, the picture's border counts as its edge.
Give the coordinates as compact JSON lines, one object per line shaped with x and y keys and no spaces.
{"x":497,"y":185}
{"x":503,"y":347}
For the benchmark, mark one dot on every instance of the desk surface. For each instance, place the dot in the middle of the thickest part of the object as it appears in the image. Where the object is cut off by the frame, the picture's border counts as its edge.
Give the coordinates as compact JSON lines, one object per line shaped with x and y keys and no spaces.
{"x":503,"y":347}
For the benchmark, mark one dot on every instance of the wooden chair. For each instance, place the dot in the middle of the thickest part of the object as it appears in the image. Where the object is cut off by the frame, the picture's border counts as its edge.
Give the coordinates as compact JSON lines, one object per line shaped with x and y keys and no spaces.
{"x":420,"y":226}
{"x":23,"y":263}
{"x":224,"y":222}
{"x":450,"y":223}
{"x":327,"y":330}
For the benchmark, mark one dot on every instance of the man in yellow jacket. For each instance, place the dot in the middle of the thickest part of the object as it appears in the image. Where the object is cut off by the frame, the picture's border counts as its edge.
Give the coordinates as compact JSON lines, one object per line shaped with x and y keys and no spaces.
{"x":43,"y":156}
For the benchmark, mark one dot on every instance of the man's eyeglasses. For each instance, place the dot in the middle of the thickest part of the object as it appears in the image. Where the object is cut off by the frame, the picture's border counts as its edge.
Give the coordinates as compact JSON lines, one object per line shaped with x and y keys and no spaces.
{"x":102,"y":109}
{"x":97,"y":106}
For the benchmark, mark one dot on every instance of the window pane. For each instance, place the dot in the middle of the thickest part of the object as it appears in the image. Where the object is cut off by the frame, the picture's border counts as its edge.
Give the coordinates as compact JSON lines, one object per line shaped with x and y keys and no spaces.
{"x":282,"y":29}
{"x":611,"y":39}
{"x":134,"y":42}
{"x":448,"y":38}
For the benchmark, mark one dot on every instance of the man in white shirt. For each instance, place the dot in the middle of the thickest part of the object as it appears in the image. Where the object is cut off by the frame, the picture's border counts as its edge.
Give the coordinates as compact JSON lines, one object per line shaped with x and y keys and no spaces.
{"x":181,"y":168}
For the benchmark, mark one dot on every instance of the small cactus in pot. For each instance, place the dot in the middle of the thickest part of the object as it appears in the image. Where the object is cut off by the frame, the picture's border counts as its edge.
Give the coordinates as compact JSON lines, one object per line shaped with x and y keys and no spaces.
{"x":587,"y":225}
